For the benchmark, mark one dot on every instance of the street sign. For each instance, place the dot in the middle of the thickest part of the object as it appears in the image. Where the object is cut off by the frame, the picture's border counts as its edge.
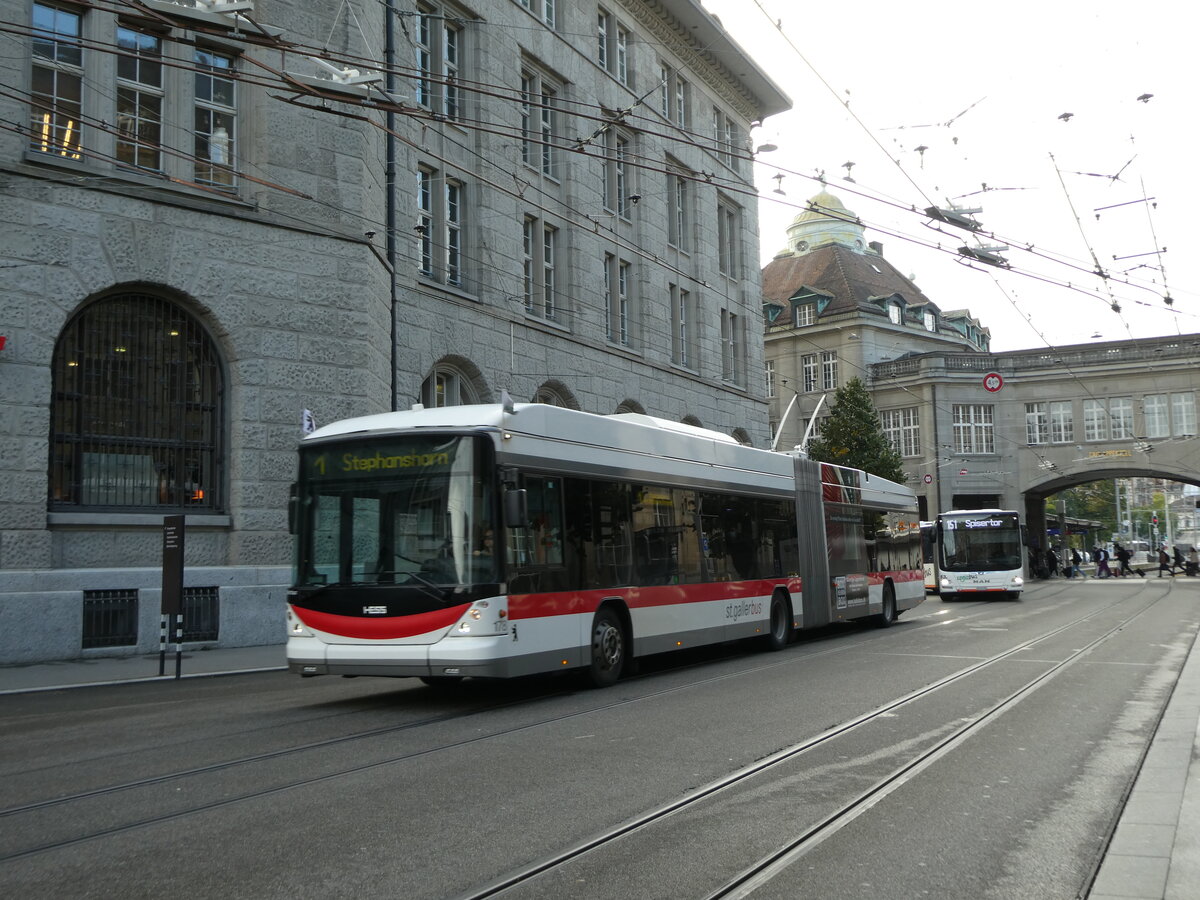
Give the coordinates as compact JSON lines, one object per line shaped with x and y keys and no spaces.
{"x":962,"y":471}
{"x":929,"y":479}
{"x":992,"y":382}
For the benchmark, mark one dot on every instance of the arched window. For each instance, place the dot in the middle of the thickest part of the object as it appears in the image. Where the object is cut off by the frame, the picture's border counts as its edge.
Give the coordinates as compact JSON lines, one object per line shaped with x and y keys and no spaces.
{"x":137,"y":409}
{"x":554,"y":393}
{"x":741,"y":436}
{"x":692,"y":420}
{"x":630,"y":406}
{"x":448,"y":386}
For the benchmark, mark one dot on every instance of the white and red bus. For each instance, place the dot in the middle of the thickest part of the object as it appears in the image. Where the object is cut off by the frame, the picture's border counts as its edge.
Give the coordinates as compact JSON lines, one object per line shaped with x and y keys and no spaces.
{"x":929,"y":555}
{"x":485,"y":541}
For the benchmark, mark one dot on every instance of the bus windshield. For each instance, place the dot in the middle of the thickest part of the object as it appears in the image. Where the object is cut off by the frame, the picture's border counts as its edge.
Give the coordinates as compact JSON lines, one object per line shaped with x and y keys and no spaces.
{"x":407,"y":510}
{"x":980,"y":542}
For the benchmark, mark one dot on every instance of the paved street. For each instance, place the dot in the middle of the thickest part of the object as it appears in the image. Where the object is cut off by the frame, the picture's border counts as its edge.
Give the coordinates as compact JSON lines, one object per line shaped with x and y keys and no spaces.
{"x":977,"y":749}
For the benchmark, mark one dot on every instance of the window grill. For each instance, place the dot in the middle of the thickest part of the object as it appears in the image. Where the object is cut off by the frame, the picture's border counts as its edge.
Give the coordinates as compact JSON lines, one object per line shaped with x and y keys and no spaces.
{"x":136,"y":423}
{"x":110,"y":619}
{"x":201,"y":614}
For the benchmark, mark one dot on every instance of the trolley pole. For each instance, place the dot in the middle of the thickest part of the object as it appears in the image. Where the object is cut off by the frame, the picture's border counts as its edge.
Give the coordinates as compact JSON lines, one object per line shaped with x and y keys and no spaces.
{"x":172,"y":592}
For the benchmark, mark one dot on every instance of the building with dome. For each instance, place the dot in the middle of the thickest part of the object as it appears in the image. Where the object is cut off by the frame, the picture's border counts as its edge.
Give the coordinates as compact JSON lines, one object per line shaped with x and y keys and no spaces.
{"x":833,"y":305}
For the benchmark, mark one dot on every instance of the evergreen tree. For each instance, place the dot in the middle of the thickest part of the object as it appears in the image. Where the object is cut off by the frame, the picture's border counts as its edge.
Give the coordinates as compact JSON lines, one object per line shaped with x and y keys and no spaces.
{"x":853,"y":435}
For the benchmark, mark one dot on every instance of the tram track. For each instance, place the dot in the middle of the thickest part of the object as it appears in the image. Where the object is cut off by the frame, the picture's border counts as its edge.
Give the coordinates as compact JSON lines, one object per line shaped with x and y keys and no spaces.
{"x":769,"y":866}
{"x":14,"y":812}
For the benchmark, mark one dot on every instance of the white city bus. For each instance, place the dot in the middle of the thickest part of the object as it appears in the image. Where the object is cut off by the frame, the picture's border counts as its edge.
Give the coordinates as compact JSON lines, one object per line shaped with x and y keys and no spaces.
{"x":980,"y":551}
{"x":485,"y":541}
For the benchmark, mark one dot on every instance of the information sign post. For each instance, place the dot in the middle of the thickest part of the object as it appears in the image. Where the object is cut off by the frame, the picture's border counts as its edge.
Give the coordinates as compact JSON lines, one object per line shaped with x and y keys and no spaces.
{"x":172,"y":592}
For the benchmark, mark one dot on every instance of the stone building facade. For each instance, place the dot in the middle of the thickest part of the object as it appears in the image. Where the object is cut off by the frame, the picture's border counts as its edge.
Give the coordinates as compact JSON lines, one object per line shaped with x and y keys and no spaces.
{"x":974,"y":429}
{"x":216,"y":223}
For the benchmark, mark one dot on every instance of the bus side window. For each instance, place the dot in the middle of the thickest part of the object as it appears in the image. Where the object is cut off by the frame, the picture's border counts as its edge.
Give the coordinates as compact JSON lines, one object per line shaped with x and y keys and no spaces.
{"x":545,"y":543}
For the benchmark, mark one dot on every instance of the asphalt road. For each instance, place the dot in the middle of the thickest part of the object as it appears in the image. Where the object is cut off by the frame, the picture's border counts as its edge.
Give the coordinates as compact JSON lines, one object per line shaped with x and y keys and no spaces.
{"x":974,"y":750}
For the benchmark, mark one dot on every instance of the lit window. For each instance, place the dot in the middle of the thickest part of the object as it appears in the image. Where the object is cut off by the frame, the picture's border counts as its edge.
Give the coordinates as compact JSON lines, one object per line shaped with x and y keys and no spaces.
{"x":57,"y":84}
{"x":215,"y":118}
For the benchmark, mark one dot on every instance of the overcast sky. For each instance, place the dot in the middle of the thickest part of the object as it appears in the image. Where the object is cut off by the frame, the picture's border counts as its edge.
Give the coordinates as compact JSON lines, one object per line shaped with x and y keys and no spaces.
{"x":990,"y":82}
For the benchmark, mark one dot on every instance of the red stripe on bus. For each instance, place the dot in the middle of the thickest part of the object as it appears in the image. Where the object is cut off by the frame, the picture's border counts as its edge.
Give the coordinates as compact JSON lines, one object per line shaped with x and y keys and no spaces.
{"x":563,"y":603}
{"x":381,"y":628}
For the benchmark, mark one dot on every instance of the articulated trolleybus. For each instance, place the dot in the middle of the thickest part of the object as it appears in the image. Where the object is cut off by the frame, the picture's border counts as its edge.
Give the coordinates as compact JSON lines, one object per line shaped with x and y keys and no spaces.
{"x":980,"y":551}
{"x":495,"y":542}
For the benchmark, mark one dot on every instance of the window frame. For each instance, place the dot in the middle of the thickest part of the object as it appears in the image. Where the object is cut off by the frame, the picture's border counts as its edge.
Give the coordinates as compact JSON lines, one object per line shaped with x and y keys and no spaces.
{"x":974,"y":428}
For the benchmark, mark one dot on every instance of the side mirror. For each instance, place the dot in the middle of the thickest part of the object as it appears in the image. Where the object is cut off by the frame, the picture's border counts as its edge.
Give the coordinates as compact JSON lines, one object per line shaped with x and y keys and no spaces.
{"x":516,"y":508}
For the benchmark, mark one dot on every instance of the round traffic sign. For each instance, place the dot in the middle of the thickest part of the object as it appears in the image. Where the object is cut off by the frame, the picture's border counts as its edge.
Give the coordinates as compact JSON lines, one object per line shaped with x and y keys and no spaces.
{"x":929,"y":479}
{"x":992,"y":382}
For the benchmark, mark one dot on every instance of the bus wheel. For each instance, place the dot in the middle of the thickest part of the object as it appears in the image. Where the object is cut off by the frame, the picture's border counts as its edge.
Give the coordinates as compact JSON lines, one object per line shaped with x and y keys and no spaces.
{"x":888,"y":616}
{"x":608,"y":649}
{"x":781,"y":624}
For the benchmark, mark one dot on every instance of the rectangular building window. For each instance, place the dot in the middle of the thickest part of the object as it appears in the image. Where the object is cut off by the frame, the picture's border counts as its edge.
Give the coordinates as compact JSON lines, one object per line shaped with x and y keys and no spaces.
{"x":540,"y":250}
{"x":1120,"y":415}
{"x":437,"y":45}
{"x":1037,"y":424}
{"x":57,"y":83}
{"x":1183,"y":414}
{"x":806,"y":314}
{"x":729,"y":239}
{"x":973,"y":428}
{"x":681,"y":315}
{"x":770,"y":378}
{"x":930,"y":319}
{"x":139,"y":98}
{"x":731,"y":352}
{"x":539,"y":123}
{"x":543,"y":9}
{"x":678,"y":210}
{"x":673,"y":94}
{"x":901,"y":427}
{"x":612,"y":45}
{"x":1095,"y":421}
{"x":725,"y":138}
{"x":216,"y":116}
{"x":615,"y":181}
{"x":829,"y":370}
{"x":617,"y":300}
{"x":440,"y":227}
{"x":1158,"y":416}
{"x":809,"y":372}
{"x":1062,"y":422}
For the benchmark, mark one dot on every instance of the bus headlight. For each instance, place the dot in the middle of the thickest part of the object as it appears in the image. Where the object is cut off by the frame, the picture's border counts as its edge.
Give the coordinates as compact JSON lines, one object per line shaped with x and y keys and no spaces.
{"x":1018,"y":581}
{"x":945,"y":582}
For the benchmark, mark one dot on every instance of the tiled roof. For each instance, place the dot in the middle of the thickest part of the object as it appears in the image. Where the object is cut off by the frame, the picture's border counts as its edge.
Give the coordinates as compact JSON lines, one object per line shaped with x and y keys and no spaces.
{"x":851,"y":278}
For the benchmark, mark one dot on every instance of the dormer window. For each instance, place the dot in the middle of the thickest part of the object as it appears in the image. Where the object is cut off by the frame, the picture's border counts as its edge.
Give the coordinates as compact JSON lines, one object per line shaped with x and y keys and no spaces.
{"x":930,"y":321}
{"x":896,"y":313}
{"x":806,"y":314}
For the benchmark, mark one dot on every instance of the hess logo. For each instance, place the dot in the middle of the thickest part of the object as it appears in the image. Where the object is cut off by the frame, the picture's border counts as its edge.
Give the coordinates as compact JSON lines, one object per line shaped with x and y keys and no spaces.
{"x":374,"y":610}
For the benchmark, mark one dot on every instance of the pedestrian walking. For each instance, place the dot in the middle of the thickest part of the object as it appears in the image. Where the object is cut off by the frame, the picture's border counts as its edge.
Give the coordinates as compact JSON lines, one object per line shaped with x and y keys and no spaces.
{"x":1123,"y":556}
{"x":1164,"y":563}
{"x":1102,"y":569}
{"x":1076,"y":562}
{"x":1051,"y":563}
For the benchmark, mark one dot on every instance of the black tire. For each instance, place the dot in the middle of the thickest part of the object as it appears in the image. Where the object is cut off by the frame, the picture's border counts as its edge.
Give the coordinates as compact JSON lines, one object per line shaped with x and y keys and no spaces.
{"x":888,"y":616}
{"x":608,"y":649}
{"x":779,"y":634}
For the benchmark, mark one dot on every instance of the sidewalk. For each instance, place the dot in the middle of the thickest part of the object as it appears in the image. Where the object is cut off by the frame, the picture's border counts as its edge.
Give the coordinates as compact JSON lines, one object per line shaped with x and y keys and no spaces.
{"x":105,"y":670}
